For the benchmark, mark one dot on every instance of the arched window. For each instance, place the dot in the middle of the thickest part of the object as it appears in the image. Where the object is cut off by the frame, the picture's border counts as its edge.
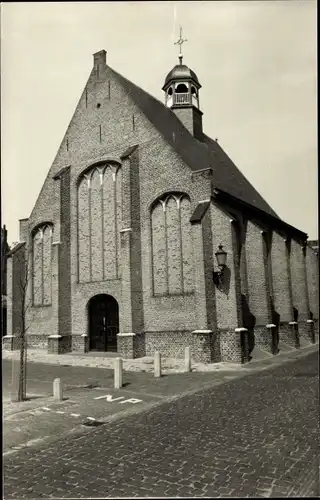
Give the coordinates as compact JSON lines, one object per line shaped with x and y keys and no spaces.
{"x":172,"y":255}
{"x":182,"y":88}
{"x":99,"y":216}
{"x":42,"y":265}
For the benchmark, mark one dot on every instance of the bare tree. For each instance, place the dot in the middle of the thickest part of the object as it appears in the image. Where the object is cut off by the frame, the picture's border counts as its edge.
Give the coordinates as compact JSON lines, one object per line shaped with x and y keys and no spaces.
{"x":22,"y":275}
{"x":24,"y":268}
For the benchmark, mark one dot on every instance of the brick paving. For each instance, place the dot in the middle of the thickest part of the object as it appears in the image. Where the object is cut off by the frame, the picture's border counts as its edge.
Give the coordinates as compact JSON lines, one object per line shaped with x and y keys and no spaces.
{"x":254,"y":436}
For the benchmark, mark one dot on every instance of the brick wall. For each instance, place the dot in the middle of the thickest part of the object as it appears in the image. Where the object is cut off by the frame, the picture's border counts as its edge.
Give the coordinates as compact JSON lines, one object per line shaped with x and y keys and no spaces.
{"x":9,"y":296}
{"x":226,"y":300}
{"x":135,"y":247}
{"x":175,"y":311}
{"x":19,"y":277}
{"x":282,"y":293}
{"x":64,"y":305}
{"x":208,"y":292}
{"x":23,"y":229}
{"x":44,"y":320}
{"x":298,"y":280}
{"x":204,"y":347}
{"x":312,"y":267}
{"x":191,"y":119}
{"x":37,"y":341}
{"x":257,"y":286}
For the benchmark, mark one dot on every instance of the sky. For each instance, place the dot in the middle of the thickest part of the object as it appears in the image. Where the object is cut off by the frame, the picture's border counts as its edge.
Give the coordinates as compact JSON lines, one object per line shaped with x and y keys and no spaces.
{"x":256,"y":62}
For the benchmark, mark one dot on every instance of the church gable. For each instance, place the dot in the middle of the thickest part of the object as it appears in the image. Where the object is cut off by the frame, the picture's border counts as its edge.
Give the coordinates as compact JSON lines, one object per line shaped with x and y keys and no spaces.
{"x":105,"y":123}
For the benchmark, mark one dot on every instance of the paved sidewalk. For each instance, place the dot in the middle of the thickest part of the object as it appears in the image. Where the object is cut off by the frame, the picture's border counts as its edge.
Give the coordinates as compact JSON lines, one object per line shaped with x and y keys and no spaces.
{"x":145,"y":364}
{"x":106,"y":360}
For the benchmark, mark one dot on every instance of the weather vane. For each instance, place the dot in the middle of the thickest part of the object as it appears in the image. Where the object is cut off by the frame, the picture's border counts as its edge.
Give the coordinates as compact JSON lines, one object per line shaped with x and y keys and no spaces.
{"x":180,"y":42}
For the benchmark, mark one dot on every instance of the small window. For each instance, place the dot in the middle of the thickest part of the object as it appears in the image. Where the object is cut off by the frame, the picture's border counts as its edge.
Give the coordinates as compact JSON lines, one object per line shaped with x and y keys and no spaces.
{"x":170,"y":91}
{"x":194,"y":91}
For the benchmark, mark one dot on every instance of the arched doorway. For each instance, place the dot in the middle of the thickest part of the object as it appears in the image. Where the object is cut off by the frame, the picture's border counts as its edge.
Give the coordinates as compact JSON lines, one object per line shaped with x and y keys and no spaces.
{"x":103,"y":315}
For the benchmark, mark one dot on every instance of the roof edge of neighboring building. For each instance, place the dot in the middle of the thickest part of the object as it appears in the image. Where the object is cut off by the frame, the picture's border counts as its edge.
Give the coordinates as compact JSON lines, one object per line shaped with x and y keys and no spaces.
{"x":16,"y":248}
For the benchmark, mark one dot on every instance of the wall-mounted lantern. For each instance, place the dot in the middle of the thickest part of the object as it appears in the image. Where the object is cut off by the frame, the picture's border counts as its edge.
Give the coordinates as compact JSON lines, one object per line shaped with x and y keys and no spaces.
{"x":221,"y":256}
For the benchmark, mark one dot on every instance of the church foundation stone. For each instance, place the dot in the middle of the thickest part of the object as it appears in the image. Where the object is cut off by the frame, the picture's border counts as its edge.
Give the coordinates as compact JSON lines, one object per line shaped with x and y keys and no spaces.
{"x":316,"y":329}
{"x":202,"y":346}
{"x":82,"y":343}
{"x":266,"y":338}
{"x":234,"y":346}
{"x":306,"y":331}
{"x":57,"y":344}
{"x":10,"y":343}
{"x":289,"y":334}
{"x":131,"y":345}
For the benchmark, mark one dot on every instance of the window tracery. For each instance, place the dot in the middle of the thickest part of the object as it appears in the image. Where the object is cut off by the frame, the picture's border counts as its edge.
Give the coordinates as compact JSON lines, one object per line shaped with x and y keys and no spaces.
{"x":42,"y":265}
{"x":99,"y":216}
{"x":172,"y":259}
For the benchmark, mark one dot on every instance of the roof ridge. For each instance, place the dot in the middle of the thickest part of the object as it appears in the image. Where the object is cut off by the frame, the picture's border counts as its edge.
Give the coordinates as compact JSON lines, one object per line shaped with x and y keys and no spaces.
{"x":194,"y":153}
{"x":137,"y":87}
{"x":164,"y":107}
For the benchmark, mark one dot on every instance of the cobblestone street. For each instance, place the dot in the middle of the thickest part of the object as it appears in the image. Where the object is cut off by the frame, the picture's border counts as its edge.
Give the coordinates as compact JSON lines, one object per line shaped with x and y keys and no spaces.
{"x":256,"y":436}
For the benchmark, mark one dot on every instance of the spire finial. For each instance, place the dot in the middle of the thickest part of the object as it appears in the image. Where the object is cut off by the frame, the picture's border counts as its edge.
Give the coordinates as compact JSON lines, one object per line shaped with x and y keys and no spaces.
{"x":180,"y":42}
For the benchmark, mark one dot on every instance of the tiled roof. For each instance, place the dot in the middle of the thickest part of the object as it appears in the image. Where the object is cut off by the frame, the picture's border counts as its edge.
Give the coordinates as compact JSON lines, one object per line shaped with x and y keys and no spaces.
{"x":198,"y":155}
{"x":229,"y":178}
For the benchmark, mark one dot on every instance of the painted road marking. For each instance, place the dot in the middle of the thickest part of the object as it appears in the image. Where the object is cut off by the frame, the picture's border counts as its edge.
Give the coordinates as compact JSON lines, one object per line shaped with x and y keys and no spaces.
{"x":61,"y":412}
{"x":132,"y":400}
{"x":111,"y":399}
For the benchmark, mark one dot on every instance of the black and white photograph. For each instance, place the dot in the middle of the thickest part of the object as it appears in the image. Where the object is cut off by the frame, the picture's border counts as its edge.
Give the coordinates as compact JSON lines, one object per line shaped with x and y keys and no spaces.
{"x":159,"y":249}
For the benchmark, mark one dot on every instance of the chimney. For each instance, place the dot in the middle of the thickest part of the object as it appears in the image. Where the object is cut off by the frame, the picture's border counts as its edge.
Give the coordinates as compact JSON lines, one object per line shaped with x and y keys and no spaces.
{"x":100,"y":60}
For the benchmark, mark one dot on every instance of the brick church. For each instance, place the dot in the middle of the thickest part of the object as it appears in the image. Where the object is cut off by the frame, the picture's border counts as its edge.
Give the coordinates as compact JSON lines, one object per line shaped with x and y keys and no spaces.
{"x":146,"y":236}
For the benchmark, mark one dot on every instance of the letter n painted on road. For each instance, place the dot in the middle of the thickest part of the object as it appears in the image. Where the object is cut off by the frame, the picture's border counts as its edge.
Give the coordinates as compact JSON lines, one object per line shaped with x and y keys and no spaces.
{"x":132,"y":400}
{"x":109,"y":398}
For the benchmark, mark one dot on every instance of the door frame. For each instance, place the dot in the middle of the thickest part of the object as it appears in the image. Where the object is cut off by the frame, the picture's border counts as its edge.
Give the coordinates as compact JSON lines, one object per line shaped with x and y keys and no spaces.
{"x":112,"y":300}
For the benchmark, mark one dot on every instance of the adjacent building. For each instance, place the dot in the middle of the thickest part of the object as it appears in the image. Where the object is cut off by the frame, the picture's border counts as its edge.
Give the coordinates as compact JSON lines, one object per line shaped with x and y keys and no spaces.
{"x":4,"y":250}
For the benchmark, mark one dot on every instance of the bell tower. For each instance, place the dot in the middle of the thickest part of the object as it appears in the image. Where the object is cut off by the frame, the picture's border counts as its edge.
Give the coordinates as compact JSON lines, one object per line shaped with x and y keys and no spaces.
{"x":181,"y":89}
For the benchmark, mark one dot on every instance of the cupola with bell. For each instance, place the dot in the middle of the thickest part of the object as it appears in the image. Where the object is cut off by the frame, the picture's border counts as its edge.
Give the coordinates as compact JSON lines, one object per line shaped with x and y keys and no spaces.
{"x":181,"y":89}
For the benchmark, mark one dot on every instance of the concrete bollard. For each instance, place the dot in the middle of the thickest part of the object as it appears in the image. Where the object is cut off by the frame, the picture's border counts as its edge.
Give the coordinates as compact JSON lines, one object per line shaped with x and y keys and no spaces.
{"x":187,"y":359}
{"x":118,"y":373}
{"x":157,"y":364}
{"x":57,"y":389}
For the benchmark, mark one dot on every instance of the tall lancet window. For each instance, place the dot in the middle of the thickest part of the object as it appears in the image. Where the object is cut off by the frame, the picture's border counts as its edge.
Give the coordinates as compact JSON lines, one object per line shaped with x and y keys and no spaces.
{"x":42,"y":265}
{"x":172,"y":254}
{"x":99,"y":217}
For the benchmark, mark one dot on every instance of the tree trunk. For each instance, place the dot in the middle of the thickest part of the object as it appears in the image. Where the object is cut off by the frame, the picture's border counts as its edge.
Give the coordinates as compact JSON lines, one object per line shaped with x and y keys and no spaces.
{"x":21,"y":391}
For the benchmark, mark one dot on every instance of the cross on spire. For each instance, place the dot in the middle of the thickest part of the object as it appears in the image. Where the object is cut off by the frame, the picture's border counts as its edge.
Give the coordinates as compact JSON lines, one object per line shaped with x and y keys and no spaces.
{"x":180,"y":42}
